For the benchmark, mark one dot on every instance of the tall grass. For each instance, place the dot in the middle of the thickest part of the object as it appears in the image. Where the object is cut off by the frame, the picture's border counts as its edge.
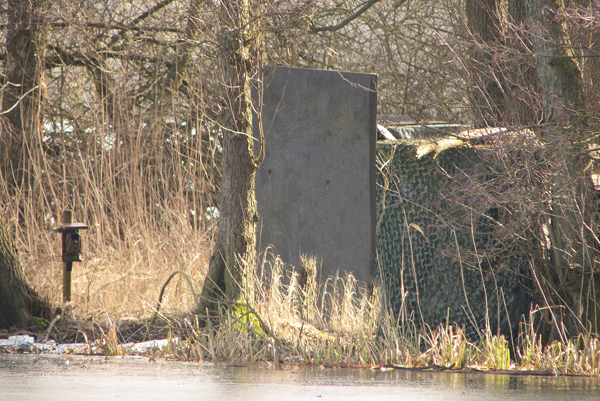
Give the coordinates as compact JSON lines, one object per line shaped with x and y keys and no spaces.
{"x":146,"y":188}
{"x":131,"y":150}
{"x":143,"y":229}
{"x":345,"y":325}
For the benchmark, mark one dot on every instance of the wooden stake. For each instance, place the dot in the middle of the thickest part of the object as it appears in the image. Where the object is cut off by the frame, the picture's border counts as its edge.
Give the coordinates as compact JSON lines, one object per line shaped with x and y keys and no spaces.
{"x":67,"y":218}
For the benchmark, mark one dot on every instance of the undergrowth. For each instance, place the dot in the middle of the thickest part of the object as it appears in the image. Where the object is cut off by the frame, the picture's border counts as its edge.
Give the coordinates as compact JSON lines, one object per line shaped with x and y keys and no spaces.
{"x":343,"y":324}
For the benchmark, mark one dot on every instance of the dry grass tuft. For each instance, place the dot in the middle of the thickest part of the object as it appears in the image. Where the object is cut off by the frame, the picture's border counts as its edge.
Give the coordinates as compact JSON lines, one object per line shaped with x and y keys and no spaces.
{"x":344,"y":325}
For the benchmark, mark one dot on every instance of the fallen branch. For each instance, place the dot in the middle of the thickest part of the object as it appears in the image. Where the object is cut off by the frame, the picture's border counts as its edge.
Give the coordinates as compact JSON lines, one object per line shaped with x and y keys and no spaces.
{"x":466,"y":137}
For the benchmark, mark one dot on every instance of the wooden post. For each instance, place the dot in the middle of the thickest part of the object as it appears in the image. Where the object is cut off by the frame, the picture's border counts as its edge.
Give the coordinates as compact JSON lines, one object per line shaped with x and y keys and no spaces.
{"x":67,"y":218}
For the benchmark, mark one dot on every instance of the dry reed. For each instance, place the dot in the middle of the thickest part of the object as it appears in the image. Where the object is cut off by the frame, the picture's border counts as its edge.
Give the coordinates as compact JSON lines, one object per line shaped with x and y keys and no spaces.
{"x":145,"y":187}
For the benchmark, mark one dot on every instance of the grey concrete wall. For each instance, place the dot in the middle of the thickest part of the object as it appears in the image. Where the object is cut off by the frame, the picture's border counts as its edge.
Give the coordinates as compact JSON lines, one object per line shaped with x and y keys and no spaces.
{"x":316,"y":186}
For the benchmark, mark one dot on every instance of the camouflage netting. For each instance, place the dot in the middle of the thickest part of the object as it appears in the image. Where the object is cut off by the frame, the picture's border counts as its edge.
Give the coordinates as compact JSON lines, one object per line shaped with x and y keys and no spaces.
{"x":435,"y":254}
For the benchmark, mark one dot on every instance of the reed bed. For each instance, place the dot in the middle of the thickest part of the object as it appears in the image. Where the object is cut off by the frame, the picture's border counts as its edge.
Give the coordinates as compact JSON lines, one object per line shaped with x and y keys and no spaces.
{"x":289,"y":320}
{"x":144,"y":227}
{"x":344,"y":325}
{"x":147,"y":192}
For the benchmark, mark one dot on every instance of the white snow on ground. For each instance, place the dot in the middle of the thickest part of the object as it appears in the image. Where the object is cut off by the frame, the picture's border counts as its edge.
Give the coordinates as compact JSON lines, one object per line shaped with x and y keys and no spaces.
{"x":25,"y":342}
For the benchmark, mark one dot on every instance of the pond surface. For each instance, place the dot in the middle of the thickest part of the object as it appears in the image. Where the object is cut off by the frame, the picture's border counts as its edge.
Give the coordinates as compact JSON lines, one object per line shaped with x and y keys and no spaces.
{"x":52,"y":377}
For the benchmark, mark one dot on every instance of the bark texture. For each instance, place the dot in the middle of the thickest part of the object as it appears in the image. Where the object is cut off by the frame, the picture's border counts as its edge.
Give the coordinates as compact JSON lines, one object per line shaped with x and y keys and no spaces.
{"x":24,"y":81}
{"x":505,"y":84}
{"x":558,"y":72}
{"x":484,"y":20}
{"x":234,"y":257}
{"x":18,"y":301}
{"x":566,"y":279}
{"x":526,"y":72}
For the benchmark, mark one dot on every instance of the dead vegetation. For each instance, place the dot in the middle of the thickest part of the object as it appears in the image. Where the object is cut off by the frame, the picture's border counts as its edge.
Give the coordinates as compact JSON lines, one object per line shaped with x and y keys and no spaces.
{"x":343,"y":326}
{"x":131,"y":141}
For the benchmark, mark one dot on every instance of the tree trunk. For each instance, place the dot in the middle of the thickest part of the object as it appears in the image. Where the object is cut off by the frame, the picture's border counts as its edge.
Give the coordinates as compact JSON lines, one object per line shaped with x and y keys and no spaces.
{"x":234,"y":258}
{"x":504,"y":82}
{"x":522,"y":83}
{"x":589,"y":40}
{"x":22,"y":121}
{"x":484,"y":21}
{"x":558,"y":72}
{"x":18,"y":302}
{"x":568,"y":280}
{"x":23,"y":91}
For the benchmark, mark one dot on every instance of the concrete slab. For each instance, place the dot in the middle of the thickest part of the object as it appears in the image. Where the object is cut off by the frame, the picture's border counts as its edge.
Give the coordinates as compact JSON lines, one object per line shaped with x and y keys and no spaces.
{"x":316,"y":186}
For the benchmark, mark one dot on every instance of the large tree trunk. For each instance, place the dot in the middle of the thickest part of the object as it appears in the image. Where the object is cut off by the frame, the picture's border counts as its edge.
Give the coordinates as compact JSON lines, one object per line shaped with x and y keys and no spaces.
{"x":588,"y":32}
{"x":23,"y":90}
{"x":234,"y":258}
{"x":511,"y":91}
{"x":521,"y":79}
{"x":19,"y":303}
{"x":21,"y":123}
{"x":558,"y":72}
{"x":568,"y":279}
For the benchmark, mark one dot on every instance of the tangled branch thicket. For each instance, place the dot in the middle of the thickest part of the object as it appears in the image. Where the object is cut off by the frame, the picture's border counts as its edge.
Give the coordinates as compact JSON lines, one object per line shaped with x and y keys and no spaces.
{"x":539,"y":79}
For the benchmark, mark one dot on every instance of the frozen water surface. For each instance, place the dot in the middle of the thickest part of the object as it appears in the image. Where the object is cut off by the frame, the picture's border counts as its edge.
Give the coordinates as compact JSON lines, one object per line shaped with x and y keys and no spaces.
{"x":67,"y":377}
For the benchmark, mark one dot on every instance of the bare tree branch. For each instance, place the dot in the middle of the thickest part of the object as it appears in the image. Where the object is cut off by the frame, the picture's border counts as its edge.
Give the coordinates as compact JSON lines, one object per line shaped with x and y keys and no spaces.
{"x":115,"y":26}
{"x":350,"y":18}
{"x":140,"y":18}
